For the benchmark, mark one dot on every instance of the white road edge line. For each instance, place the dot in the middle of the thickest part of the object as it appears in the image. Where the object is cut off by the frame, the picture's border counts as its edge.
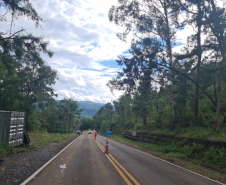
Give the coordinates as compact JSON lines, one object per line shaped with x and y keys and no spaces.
{"x":167,"y":162}
{"x":40,"y":169}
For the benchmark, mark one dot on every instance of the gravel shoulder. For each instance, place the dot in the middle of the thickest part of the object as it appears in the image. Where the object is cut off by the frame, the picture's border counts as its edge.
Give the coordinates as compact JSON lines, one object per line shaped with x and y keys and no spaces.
{"x":16,"y":168}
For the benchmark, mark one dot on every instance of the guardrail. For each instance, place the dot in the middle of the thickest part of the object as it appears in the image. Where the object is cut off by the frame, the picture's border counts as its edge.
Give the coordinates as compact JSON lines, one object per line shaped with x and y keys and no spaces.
{"x":162,"y":138}
{"x":12,"y":125}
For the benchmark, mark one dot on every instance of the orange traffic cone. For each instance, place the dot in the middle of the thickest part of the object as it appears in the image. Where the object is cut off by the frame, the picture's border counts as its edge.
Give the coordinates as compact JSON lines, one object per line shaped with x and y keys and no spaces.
{"x":106,"y":149}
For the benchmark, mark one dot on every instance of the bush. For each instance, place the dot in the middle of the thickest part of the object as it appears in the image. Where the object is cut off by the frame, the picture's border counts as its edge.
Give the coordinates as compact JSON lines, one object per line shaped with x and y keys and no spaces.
{"x":7,"y":150}
{"x":105,"y":125}
{"x":138,"y":126}
{"x":176,"y":155}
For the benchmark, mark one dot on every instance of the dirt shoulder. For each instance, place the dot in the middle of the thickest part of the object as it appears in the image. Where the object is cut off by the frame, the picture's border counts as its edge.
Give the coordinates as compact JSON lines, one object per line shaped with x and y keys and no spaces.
{"x":14,"y":169}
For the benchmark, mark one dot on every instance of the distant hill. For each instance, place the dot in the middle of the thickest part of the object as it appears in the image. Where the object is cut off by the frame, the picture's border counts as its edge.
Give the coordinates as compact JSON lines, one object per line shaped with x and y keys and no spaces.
{"x":89,"y":108}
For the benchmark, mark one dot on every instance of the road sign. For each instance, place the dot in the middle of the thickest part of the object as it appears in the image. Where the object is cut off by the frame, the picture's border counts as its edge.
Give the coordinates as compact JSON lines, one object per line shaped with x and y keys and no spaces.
{"x":107,"y":132}
{"x":134,"y":134}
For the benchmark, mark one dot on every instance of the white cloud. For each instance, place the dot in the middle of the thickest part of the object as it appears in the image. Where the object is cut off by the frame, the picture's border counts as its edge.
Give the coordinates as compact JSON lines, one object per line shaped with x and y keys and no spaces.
{"x":85,"y":85}
{"x":81,"y":37}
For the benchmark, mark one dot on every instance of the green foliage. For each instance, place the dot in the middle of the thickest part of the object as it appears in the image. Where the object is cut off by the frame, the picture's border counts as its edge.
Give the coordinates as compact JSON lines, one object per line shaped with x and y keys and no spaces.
{"x":117,"y":117}
{"x":138,"y":126}
{"x":7,"y":150}
{"x":105,"y":125}
{"x":172,"y":90}
{"x":68,"y":109}
{"x":87,"y":123}
{"x":38,"y":139}
{"x":209,"y":157}
{"x":43,"y":138}
{"x":25,"y":78}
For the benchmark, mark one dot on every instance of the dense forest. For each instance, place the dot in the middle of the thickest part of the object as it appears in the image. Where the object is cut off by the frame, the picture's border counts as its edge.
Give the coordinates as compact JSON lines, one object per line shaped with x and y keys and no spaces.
{"x":26,"y":79}
{"x":166,"y":88}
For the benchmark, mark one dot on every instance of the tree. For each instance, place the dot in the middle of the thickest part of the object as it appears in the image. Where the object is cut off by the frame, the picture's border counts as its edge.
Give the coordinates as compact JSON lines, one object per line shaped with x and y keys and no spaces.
{"x":123,"y":112}
{"x":212,"y":17}
{"x":149,"y":18}
{"x":17,"y":8}
{"x":87,"y":123}
{"x":69,"y":110}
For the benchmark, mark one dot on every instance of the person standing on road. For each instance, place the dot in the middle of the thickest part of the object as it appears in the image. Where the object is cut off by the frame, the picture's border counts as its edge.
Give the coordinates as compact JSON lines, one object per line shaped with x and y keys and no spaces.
{"x":95,"y":134}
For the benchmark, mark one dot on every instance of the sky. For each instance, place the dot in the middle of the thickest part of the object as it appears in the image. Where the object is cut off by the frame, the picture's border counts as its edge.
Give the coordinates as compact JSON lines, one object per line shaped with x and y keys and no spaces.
{"x":85,"y":46}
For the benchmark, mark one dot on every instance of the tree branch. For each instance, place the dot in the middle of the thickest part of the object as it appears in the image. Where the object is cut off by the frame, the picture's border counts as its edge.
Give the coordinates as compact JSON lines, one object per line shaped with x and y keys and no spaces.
{"x":11,"y":37}
{"x":214,"y":103}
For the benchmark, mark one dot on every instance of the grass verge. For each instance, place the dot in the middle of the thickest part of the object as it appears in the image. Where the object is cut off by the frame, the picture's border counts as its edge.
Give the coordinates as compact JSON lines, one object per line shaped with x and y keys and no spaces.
{"x":210,"y":163}
{"x":193,"y":132}
{"x":41,"y":139}
{"x":38,"y":140}
{"x":8,"y":150}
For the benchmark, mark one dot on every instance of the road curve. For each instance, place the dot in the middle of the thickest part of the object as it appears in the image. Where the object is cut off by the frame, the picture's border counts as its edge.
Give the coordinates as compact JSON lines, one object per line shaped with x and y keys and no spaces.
{"x":147,"y":169}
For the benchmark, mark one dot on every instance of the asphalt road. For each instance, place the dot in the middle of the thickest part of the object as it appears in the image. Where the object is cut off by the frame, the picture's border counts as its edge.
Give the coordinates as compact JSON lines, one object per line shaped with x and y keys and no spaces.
{"x":147,"y":169}
{"x":84,"y":163}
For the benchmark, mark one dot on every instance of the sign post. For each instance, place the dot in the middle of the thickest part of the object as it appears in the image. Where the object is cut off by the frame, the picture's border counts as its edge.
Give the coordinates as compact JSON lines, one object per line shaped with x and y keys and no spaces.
{"x":134,"y":134}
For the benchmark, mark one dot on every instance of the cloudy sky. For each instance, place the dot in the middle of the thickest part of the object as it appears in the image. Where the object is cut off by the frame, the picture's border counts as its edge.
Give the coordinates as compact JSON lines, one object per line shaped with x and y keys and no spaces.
{"x":85,"y":46}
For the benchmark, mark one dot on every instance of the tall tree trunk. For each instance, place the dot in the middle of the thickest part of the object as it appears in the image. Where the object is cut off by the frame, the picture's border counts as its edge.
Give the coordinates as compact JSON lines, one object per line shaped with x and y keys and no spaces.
{"x":66,"y":126}
{"x":218,"y":112}
{"x":169,"y":50}
{"x":219,"y":34}
{"x":65,"y":121}
{"x":145,"y":121}
{"x":26,"y":109}
{"x":214,"y":89}
{"x":199,"y":23}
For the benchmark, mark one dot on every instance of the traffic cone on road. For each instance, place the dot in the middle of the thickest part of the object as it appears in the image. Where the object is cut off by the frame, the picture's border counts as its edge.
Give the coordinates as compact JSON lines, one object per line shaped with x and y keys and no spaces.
{"x":106,"y":149}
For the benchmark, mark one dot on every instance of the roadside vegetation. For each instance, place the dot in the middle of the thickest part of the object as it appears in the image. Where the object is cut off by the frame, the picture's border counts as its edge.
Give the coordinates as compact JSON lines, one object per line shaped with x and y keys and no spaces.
{"x":38,"y":140}
{"x":197,"y":153}
{"x":189,"y":157}
{"x":41,"y":139}
{"x":167,"y":89}
{"x":196,"y":132}
{"x":26,"y":79}
{"x":26,"y":82}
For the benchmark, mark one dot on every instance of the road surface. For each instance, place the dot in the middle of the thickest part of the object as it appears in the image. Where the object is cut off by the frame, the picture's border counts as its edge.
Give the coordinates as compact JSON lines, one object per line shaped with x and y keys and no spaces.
{"x":85,"y":163}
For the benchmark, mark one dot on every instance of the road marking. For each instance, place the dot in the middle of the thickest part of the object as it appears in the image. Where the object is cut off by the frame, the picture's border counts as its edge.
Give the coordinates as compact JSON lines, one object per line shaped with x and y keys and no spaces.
{"x":113,"y":161}
{"x":100,"y":145}
{"x":120,"y":172}
{"x":123,"y":169}
{"x":166,"y":161}
{"x":40,"y":169}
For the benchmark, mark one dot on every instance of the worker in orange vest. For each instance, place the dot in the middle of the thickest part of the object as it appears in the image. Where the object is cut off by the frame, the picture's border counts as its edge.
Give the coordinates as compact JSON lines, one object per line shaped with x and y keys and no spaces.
{"x":95,"y":134}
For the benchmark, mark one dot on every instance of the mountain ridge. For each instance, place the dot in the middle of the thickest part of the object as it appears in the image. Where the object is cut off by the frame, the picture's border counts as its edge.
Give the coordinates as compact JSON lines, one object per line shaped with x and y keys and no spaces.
{"x":89,"y":108}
